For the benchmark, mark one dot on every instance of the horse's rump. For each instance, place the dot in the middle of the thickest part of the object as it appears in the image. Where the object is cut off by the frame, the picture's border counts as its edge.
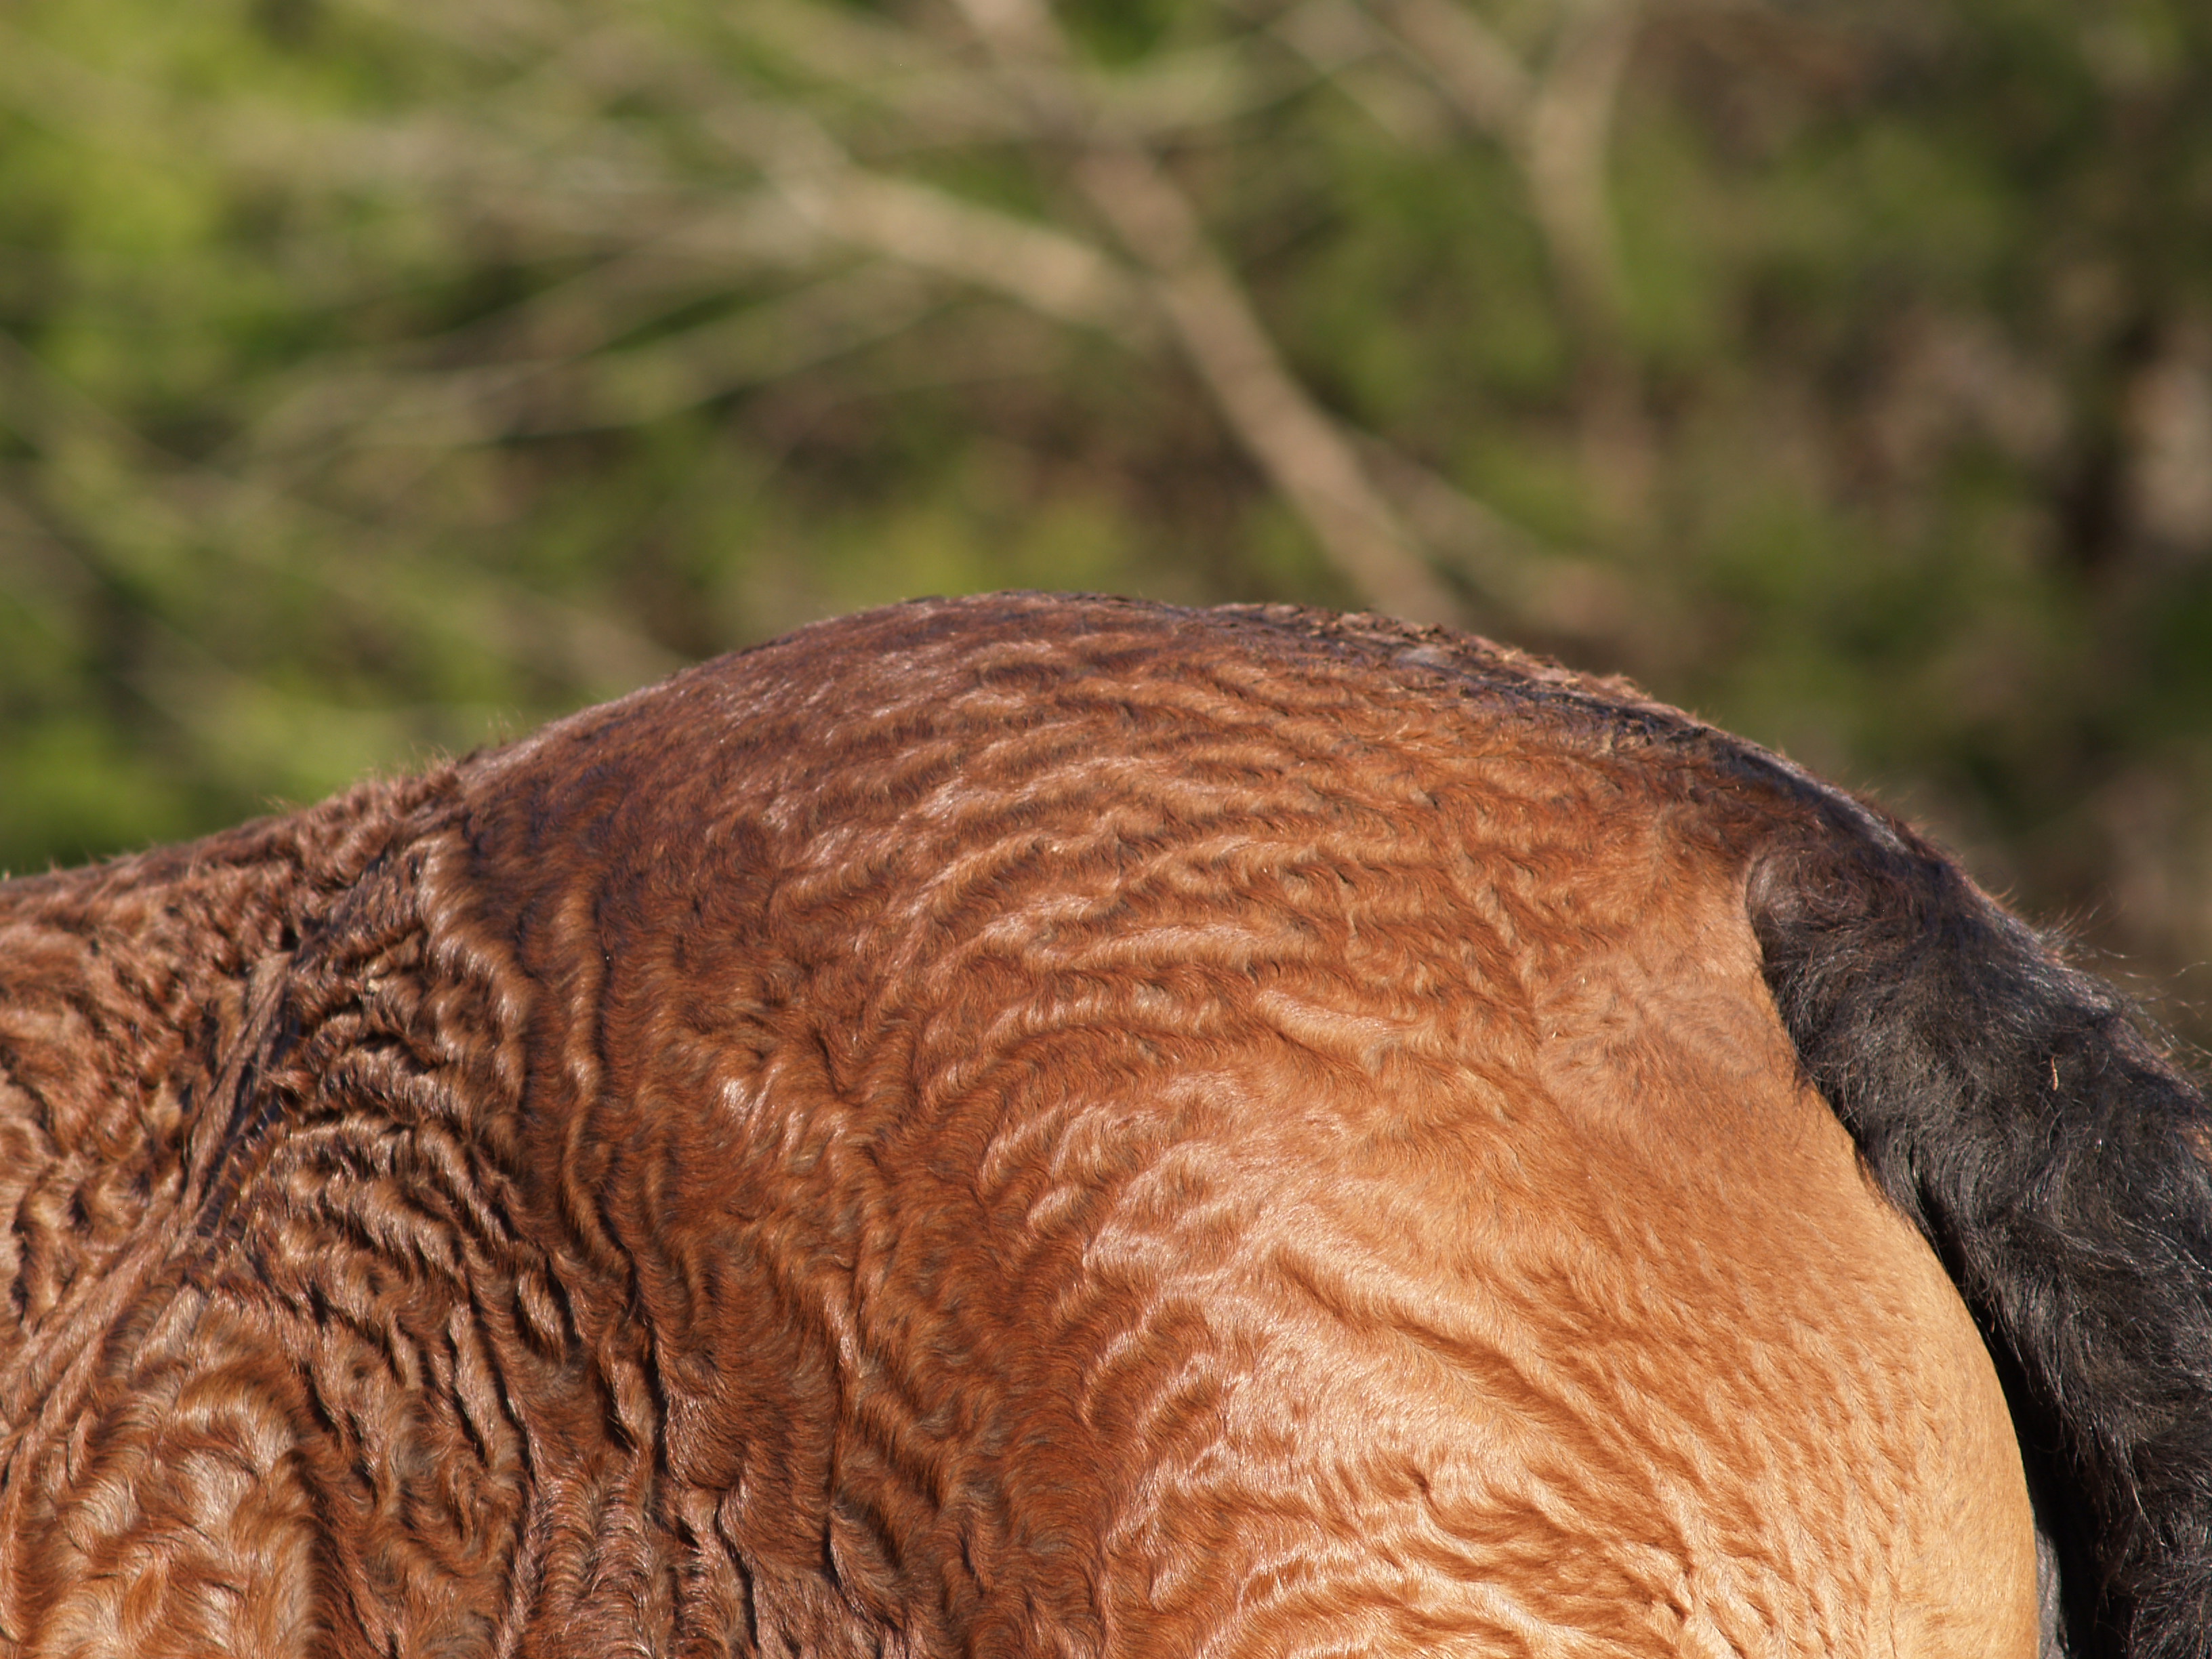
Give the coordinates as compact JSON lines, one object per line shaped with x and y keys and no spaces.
{"x":1030,"y":1125}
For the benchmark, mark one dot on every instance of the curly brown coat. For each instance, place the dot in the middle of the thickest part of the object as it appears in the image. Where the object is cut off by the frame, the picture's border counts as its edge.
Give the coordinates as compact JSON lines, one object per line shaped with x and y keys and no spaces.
{"x":1065,"y":1127}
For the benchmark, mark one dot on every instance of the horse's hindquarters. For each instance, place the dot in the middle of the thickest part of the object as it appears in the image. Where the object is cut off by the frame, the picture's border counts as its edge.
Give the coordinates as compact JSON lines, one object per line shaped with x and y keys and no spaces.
{"x":1605,"y":1346}
{"x":1150,"y":1161}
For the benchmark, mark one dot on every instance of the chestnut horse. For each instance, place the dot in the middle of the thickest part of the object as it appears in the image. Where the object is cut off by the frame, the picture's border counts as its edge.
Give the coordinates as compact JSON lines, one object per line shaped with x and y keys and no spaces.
{"x":1066,"y":1126}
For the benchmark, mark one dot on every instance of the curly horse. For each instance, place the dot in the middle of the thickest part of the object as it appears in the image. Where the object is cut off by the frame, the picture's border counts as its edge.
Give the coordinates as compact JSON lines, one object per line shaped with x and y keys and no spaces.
{"x":1033,"y":1126}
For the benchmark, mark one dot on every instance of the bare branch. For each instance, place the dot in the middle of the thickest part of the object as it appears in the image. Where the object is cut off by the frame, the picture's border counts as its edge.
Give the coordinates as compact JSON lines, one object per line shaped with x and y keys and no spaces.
{"x":1362,"y":60}
{"x":1536,"y":586}
{"x":1295,"y":442}
{"x":596,"y":390}
{"x":1478,"y":72}
{"x":937,"y":97}
{"x":1569,"y":138}
{"x":548,"y":167}
{"x":1191,"y":91}
{"x":925,"y":228}
{"x":1559,"y":126}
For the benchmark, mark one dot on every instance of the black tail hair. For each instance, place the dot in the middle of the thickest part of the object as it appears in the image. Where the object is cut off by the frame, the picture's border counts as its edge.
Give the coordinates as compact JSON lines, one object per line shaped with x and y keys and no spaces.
{"x":2061,"y":1167}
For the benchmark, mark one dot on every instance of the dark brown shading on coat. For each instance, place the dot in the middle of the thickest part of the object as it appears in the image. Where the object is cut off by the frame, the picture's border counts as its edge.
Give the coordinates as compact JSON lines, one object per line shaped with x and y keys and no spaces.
{"x":1028,"y":1125}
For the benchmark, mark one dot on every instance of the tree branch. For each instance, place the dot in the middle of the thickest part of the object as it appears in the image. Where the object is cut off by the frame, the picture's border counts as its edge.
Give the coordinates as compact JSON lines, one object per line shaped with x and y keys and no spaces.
{"x":1295,"y":444}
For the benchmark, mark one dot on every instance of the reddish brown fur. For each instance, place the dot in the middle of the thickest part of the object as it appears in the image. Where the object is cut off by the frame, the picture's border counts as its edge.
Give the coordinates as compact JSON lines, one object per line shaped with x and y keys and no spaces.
{"x":1011,"y":1126}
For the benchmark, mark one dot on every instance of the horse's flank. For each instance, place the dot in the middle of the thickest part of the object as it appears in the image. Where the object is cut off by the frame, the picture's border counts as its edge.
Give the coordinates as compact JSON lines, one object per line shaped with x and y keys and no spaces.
{"x":1053,"y":1126}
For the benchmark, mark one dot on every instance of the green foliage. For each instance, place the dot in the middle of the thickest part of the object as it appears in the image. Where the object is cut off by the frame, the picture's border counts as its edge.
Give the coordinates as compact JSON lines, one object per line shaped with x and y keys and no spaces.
{"x":378,"y":378}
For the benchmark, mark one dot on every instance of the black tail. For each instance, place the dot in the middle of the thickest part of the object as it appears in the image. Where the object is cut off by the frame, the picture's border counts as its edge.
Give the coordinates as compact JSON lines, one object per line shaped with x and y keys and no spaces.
{"x":2062,"y":1168}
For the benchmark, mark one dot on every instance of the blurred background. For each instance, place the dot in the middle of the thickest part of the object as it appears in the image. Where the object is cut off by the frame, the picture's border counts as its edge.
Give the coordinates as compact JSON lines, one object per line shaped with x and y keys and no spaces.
{"x":380,"y":378}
